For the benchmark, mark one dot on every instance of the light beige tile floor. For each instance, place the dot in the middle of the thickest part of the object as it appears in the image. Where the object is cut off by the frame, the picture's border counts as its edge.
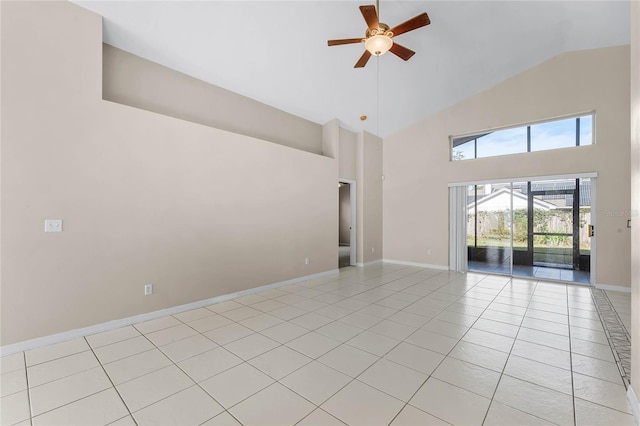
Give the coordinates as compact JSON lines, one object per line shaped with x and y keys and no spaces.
{"x":380,"y":345}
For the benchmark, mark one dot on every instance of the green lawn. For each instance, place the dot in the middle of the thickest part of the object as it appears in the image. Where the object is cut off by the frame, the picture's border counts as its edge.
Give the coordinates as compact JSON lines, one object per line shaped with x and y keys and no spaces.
{"x":521,"y":245}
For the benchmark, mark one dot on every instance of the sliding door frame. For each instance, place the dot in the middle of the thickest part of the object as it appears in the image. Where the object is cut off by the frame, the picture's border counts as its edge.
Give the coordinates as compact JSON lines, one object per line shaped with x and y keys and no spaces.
{"x":590,"y":175}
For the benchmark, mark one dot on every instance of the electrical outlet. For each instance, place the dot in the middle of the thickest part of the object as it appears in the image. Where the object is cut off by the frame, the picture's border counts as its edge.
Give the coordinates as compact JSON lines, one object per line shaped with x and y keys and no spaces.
{"x":428,"y":252}
{"x":53,"y":225}
{"x":306,"y":261}
{"x":373,"y":250}
{"x":148,"y":289}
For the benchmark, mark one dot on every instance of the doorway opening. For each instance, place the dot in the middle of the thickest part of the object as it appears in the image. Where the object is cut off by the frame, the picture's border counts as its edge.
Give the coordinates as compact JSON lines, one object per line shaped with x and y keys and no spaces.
{"x":346,"y":223}
{"x":541,"y":229}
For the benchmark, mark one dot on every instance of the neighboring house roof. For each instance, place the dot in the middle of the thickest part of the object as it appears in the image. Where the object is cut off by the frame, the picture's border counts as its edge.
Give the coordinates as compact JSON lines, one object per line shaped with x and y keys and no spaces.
{"x":557,"y":200}
{"x":500,"y":200}
{"x":585,"y":191}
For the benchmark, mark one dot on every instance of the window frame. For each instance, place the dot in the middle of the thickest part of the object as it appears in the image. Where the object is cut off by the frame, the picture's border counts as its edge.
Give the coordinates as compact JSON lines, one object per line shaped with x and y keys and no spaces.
{"x":527,"y":126}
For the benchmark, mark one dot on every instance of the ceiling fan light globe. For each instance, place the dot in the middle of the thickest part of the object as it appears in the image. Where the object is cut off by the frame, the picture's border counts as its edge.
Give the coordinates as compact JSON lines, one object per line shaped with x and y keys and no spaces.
{"x":378,"y":44}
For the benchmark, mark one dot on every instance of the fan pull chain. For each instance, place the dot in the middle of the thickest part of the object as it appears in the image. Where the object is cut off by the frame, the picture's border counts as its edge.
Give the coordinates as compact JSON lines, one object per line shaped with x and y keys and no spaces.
{"x":378,"y":96}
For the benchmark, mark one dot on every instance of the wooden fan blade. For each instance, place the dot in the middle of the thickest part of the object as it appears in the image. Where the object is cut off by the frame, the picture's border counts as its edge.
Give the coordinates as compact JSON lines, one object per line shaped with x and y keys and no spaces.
{"x":344,"y":41}
{"x":413,"y":23}
{"x":401,"y":51}
{"x":370,"y":16}
{"x":363,"y":59}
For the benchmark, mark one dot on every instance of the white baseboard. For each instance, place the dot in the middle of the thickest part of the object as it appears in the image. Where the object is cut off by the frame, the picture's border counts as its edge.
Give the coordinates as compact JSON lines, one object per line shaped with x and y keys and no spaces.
{"x":613,"y":288}
{"x":373,"y":262}
{"x":111,"y":325}
{"x":635,"y":406}
{"x":420,"y":265}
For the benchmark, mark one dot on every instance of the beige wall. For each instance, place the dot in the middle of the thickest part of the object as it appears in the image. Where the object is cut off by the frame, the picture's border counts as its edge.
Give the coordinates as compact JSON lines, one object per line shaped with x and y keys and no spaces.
{"x":417,"y":167}
{"x":635,"y":194}
{"x":331,"y":139}
{"x":347,"y":163}
{"x":360,"y":160}
{"x":132,"y":80}
{"x":369,"y":196}
{"x":145,"y":198}
{"x":348,"y":158}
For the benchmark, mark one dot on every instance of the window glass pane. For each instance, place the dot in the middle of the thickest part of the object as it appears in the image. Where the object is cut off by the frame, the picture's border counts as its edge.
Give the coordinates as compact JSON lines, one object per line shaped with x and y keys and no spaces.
{"x":586,"y":129}
{"x":544,"y":136}
{"x":502,"y":142}
{"x":465,"y":151}
{"x":553,"y":135}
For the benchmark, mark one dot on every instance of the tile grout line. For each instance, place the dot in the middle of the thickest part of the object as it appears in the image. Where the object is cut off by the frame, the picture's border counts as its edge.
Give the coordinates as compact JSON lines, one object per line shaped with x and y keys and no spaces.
{"x":62,"y":378}
{"x":79,"y":399}
{"x":420,"y":328}
{"x":379,"y":357}
{"x":26,"y":374}
{"x":247,"y":361}
{"x":195,"y":383}
{"x":101,"y":365}
{"x":459,"y":340}
{"x":515,"y":338}
{"x":328,"y":366}
{"x":151,"y":343}
{"x":112,"y":384}
{"x":428,"y":375}
{"x":573,"y":388}
{"x":365,"y":289}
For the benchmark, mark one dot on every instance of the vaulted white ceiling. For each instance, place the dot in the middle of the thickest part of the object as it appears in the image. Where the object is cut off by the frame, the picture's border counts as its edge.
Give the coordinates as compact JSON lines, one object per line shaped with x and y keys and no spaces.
{"x":276,"y":51}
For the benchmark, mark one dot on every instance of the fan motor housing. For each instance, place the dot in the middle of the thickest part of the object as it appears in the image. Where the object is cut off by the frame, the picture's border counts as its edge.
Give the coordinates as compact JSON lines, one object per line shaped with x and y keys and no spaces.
{"x":382,"y":29}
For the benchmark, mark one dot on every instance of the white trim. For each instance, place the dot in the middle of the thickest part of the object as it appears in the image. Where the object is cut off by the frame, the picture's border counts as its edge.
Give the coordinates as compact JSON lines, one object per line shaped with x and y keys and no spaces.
{"x":110,"y":325}
{"x":373,"y":262}
{"x":613,"y":288}
{"x":593,"y":255}
{"x":352,"y":237}
{"x":635,"y":406}
{"x":527,"y":178}
{"x":420,"y":265}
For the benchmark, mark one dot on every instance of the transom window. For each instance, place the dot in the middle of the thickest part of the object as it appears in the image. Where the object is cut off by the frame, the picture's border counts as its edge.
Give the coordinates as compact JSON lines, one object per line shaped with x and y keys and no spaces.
{"x":556,"y":134}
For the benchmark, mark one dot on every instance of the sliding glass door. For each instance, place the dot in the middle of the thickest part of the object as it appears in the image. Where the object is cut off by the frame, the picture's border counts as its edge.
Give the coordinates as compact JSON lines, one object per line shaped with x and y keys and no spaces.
{"x":489,"y":228}
{"x":536,"y":229}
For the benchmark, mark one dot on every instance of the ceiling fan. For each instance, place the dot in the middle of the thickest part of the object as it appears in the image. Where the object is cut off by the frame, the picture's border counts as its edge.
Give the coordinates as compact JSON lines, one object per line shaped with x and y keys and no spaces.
{"x":377,"y":39}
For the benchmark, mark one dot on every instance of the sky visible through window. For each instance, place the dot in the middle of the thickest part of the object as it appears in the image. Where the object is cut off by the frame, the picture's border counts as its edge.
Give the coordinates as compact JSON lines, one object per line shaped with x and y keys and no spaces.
{"x":503,"y":142}
{"x":544,"y":136}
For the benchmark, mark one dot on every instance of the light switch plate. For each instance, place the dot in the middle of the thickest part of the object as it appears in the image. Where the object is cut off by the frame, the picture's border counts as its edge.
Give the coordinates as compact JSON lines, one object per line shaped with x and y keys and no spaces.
{"x":53,"y":225}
